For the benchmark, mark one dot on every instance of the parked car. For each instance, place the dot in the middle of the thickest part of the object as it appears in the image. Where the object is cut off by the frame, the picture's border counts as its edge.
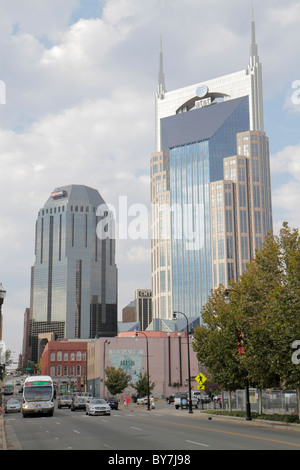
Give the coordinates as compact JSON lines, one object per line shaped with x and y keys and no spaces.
{"x":182,"y":401}
{"x":171,"y":398}
{"x":78,"y":403}
{"x":113,"y":403}
{"x":142,"y":401}
{"x":12,"y":406}
{"x":64,"y":401}
{"x":97,"y":406}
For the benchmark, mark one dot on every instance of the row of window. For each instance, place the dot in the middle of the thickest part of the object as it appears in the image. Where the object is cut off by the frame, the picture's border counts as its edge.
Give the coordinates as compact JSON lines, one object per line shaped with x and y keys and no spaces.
{"x":65,"y":371}
{"x":66,"y":356}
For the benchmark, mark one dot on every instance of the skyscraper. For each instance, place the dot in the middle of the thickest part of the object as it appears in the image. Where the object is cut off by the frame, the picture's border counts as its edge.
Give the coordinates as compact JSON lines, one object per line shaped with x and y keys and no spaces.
{"x":198,"y":129}
{"x":74,"y":277}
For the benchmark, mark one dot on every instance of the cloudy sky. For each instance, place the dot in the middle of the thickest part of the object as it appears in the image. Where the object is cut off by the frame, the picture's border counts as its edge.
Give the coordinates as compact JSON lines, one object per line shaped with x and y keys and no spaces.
{"x":78,"y":108}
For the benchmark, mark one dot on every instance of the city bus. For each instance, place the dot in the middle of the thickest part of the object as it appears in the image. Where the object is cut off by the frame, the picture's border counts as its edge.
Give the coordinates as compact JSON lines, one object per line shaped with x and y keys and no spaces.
{"x":38,"y":394}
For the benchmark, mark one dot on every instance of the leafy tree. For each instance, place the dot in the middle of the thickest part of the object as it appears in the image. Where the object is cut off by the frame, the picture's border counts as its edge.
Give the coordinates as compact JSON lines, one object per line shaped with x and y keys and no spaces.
{"x":216,"y":344}
{"x":265,"y":307}
{"x":141,"y":385}
{"x":117,"y":380}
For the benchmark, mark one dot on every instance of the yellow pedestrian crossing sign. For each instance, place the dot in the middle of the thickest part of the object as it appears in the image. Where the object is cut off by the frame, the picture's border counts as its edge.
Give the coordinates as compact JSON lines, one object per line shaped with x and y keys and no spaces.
{"x":200,"y":379}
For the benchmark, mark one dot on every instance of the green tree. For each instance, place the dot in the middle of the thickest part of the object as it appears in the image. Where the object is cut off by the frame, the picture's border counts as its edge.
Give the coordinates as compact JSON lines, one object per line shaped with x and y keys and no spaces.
{"x":216,"y":343}
{"x":117,"y":380}
{"x":264,"y":306}
{"x":141,"y":385}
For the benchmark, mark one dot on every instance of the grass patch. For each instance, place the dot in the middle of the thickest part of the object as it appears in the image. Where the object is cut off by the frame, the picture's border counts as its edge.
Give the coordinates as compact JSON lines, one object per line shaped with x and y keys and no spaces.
{"x":268,"y":417}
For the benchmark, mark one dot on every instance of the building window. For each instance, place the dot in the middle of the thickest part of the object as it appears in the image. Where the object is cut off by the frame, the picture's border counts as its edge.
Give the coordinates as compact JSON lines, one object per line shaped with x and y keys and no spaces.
{"x":72,"y":371}
{"x":66,"y":356}
{"x":78,"y":356}
{"x":58,"y":371}
{"x":52,"y":356}
{"x":65,"y":371}
{"x":243,"y":221}
{"x":52,"y":371}
{"x":72,"y":356}
{"x":59,"y":355}
{"x":78,"y":370}
{"x":257,"y":222}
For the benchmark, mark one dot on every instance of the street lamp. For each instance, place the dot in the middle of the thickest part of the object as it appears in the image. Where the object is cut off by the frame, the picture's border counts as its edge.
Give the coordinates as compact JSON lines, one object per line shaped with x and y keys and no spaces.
{"x":106,"y":342}
{"x":248,"y":405}
{"x":2,"y":296}
{"x":148,"y":382}
{"x":189,"y":364}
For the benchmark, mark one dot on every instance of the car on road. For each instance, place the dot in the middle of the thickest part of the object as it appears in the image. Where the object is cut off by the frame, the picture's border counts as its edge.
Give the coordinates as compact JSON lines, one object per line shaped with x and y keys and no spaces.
{"x":171,"y":398}
{"x":64,"y":401}
{"x":78,"y":403}
{"x":113,"y":403}
{"x":142,"y":401}
{"x":97,"y":406}
{"x":12,"y":406}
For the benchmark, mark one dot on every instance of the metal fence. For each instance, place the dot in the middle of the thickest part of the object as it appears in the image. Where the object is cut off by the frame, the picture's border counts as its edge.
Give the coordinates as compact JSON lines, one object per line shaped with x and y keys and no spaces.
{"x":262,"y":401}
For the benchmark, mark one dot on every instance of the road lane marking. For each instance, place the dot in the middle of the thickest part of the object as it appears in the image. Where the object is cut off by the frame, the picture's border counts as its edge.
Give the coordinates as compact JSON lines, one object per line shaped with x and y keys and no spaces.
{"x":77,"y":432}
{"x":248,"y":436}
{"x":138,"y":429}
{"x":198,"y":443}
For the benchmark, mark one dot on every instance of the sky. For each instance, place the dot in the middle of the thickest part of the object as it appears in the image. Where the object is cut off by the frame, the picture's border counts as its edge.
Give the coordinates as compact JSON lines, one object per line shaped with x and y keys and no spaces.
{"x":77,"y":92}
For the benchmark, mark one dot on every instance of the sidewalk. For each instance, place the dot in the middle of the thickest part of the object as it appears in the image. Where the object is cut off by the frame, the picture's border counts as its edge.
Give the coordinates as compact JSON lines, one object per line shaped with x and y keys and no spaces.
{"x":2,"y":433}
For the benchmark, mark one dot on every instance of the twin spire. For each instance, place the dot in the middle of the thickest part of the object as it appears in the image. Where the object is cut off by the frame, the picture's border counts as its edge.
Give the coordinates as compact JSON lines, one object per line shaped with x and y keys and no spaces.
{"x":254,"y":59}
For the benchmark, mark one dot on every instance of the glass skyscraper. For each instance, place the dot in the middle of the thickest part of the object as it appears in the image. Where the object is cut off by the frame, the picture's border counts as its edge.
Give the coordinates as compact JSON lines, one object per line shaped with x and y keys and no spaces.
{"x":74,"y":277}
{"x":196,"y":131}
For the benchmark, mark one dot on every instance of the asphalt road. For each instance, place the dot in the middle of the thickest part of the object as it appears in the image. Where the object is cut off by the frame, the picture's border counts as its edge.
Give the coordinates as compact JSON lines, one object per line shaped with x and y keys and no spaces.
{"x":160,"y":431}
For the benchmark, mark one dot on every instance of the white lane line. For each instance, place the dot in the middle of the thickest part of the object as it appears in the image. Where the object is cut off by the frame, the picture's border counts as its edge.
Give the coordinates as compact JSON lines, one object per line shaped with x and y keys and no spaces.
{"x":76,"y":431}
{"x":197,"y":443}
{"x":138,"y":429}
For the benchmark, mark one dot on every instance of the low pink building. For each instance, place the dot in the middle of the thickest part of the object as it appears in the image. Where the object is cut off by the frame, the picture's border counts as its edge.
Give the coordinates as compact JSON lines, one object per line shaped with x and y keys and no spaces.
{"x":168,"y":363}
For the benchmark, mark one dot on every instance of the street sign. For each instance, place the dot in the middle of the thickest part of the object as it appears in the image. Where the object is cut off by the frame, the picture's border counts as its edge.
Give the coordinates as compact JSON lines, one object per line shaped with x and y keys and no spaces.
{"x":200,"y":379}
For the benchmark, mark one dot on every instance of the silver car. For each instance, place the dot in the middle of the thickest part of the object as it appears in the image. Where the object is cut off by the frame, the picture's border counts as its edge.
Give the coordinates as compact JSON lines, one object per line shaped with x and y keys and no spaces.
{"x":97,"y":406}
{"x":12,"y":406}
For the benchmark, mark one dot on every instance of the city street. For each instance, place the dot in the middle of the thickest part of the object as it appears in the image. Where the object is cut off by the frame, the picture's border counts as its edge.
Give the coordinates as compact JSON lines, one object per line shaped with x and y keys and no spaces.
{"x":163,"y":430}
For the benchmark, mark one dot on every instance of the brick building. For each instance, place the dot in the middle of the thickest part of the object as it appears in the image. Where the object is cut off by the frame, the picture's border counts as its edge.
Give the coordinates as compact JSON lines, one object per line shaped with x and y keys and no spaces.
{"x":66,"y":362}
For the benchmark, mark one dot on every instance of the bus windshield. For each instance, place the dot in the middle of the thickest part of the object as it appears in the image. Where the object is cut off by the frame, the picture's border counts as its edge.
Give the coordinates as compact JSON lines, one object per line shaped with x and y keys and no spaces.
{"x":38,"y":393}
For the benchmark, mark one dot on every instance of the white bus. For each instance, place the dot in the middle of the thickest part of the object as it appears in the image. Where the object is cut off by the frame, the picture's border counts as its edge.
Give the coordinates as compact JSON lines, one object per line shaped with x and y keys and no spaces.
{"x":38,"y":395}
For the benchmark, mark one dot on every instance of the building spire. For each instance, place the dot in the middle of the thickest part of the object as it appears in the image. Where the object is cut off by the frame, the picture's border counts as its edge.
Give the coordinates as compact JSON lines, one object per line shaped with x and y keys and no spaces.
{"x":161,"y":76}
{"x":254,"y":58}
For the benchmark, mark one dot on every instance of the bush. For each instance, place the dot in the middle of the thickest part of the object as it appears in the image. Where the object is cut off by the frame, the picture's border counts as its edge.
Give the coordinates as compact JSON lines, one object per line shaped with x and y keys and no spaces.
{"x":242,"y":414}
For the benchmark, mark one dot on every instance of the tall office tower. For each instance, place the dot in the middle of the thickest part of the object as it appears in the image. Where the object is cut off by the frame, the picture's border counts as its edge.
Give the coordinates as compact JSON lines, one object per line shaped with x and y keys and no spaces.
{"x":74,"y":277}
{"x":196,"y":131}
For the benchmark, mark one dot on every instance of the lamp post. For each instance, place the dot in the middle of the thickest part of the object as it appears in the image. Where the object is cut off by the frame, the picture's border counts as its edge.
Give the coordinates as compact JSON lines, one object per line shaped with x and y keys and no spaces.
{"x":189,"y":364}
{"x":2,"y":296}
{"x":106,"y":342}
{"x":241,"y":351}
{"x":148,"y":381}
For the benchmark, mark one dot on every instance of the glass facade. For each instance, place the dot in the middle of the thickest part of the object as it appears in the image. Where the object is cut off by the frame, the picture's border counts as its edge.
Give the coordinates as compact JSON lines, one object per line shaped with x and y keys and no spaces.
{"x":192,"y":167}
{"x":74,"y":278}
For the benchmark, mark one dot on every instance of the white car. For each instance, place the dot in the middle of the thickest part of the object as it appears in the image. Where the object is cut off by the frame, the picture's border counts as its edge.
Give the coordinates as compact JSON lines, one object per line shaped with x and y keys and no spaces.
{"x":12,"y":406}
{"x":97,"y":406}
{"x":142,"y":401}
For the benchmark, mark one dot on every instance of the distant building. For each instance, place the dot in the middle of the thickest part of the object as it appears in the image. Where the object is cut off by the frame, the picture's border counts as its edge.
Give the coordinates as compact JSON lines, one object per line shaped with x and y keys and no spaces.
{"x":74,"y":277}
{"x":140,"y":309}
